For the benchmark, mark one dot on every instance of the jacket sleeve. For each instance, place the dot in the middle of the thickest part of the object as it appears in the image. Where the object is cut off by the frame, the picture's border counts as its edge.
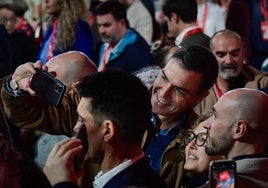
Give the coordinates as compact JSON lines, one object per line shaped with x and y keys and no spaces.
{"x":30,"y":112}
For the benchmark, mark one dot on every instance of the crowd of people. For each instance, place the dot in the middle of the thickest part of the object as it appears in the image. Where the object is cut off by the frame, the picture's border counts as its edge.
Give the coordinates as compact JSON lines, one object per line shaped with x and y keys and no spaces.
{"x":161,"y":96}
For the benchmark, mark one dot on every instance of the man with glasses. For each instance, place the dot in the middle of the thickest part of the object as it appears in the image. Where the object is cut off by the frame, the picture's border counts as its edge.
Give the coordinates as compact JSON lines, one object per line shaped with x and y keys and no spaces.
{"x":238,"y":130}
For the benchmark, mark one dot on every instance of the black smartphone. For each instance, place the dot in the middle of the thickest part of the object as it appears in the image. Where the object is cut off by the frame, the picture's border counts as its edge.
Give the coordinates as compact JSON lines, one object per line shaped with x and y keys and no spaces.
{"x":222,"y":174}
{"x":78,"y":159}
{"x":48,"y":87}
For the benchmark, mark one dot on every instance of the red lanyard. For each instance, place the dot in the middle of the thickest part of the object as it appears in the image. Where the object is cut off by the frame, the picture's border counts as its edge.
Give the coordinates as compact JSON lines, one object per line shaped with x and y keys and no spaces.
{"x":193,"y":31}
{"x":263,"y":8}
{"x":105,"y":59}
{"x":218,"y":91}
{"x":52,"y":42}
{"x":204,"y":17}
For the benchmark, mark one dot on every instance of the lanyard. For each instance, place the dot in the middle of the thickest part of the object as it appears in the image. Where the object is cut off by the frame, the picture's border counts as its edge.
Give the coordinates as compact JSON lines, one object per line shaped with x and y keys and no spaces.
{"x":105,"y":58}
{"x":218,"y":91}
{"x":263,"y":8}
{"x":193,"y":31}
{"x":52,"y":42}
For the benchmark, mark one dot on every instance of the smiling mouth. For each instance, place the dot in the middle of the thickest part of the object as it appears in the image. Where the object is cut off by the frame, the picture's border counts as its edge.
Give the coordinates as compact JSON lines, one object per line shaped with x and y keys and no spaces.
{"x":193,"y":157}
{"x":162,"y":101}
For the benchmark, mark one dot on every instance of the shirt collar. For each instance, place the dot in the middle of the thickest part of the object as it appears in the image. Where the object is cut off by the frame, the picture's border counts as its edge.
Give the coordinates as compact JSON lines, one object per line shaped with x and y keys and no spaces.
{"x":180,"y":37}
{"x":102,"y":178}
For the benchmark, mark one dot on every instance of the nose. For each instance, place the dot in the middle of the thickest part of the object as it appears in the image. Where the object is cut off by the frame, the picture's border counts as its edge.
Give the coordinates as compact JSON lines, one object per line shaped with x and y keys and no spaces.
{"x":77,"y":126}
{"x":229,"y":58}
{"x":191,"y":144}
{"x":207,"y":124}
{"x":101,"y":29}
{"x":166,"y":91}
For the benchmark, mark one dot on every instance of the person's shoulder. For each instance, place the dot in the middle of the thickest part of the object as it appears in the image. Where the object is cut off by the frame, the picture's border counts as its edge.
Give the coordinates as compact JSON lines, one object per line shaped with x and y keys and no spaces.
{"x":82,"y":23}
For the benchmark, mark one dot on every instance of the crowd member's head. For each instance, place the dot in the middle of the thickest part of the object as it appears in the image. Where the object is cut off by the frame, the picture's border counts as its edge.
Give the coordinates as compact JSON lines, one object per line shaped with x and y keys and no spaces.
{"x":228,"y":48}
{"x":8,"y":17}
{"x":112,"y":111}
{"x":183,"y":82}
{"x":112,"y":21}
{"x":238,"y":125}
{"x":196,"y":159}
{"x":162,"y":55}
{"x":179,"y":13}
{"x":148,"y":75}
{"x":70,"y":67}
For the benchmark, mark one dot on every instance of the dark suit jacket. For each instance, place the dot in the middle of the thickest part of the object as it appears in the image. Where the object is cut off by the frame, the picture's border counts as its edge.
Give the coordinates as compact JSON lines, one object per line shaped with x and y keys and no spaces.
{"x":139,"y":175}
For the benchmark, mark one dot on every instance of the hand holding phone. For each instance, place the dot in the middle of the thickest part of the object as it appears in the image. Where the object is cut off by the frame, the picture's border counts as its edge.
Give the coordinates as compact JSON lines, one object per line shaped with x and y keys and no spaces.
{"x":48,"y":87}
{"x":222,"y":174}
{"x":82,"y":135}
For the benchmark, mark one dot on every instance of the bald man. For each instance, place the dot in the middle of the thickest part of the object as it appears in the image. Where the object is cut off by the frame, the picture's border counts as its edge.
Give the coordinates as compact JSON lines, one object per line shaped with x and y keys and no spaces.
{"x":29,"y":111}
{"x":228,"y":48}
{"x":71,"y":67}
{"x":238,"y":129}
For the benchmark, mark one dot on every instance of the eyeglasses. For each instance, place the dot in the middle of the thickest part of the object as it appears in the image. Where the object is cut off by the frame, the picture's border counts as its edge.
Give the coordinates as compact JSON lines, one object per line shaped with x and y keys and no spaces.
{"x":4,"y":20}
{"x":199,"y":139}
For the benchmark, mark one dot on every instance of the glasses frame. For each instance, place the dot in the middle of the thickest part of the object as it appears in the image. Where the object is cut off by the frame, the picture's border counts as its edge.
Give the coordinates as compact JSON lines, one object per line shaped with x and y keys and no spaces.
{"x":195,"y":138}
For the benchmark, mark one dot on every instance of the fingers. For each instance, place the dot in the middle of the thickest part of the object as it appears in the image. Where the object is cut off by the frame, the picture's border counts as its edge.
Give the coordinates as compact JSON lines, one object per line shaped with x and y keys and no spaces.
{"x":59,"y":166}
{"x":23,"y":75}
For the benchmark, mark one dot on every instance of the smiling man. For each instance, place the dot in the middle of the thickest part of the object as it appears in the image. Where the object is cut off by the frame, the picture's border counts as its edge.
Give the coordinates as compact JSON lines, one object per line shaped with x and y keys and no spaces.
{"x":229,"y":50}
{"x":182,"y":84}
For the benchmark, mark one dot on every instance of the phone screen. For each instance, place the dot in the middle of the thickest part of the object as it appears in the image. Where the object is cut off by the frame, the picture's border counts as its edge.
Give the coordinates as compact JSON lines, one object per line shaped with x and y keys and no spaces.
{"x":222,"y":174}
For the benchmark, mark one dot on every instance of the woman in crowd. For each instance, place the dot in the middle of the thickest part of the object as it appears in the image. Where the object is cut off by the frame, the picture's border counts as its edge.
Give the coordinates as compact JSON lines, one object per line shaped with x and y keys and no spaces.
{"x":66,"y":29}
{"x":196,"y":160}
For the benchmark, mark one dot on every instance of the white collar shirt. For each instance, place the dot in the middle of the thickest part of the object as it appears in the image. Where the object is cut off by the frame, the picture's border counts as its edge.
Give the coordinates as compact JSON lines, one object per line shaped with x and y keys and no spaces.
{"x":102,"y":178}
{"x":180,"y":37}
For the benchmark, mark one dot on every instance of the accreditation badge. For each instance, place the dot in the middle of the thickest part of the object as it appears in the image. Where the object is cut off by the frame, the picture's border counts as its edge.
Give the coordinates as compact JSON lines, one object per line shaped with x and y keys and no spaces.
{"x":264,"y":30}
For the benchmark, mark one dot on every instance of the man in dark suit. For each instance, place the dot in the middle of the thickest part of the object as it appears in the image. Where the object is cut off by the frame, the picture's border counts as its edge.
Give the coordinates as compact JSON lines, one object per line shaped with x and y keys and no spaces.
{"x":115,"y":107}
{"x":180,"y":17}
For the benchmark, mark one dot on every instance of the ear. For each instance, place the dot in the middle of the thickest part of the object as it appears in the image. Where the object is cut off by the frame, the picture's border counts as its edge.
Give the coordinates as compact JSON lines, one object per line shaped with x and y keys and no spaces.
{"x":122,"y":22}
{"x":240,"y":129}
{"x":174,"y":18}
{"x":108,"y":129}
{"x":200,"y":97}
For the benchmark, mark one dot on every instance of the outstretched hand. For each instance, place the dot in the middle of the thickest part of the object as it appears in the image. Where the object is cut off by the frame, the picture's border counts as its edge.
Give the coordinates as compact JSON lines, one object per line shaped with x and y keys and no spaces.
{"x":24,"y":73}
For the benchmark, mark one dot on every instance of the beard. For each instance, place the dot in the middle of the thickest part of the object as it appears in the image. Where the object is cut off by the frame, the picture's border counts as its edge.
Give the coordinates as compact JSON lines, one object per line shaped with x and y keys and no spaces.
{"x":106,"y":39}
{"x":220,"y":146}
{"x":229,"y":70}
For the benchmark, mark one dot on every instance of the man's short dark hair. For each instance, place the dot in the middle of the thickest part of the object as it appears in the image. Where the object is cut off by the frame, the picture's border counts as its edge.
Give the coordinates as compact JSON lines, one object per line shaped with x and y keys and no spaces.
{"x":120,"y":97}
{"x":199,"y":59}
{"x":118,"y":10}
{"x":185,"y":9}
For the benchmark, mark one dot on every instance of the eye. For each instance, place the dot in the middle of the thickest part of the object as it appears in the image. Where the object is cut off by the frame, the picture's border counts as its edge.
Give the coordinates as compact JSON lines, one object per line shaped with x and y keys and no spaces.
{"x":235,"y":54}
{"x":220,"y":54}
{"x":163,"y":76}
{"x":80,"y":119}
{"x":202,"y":137}
{"x":179,"y":91}
{"x":189,"y":136}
